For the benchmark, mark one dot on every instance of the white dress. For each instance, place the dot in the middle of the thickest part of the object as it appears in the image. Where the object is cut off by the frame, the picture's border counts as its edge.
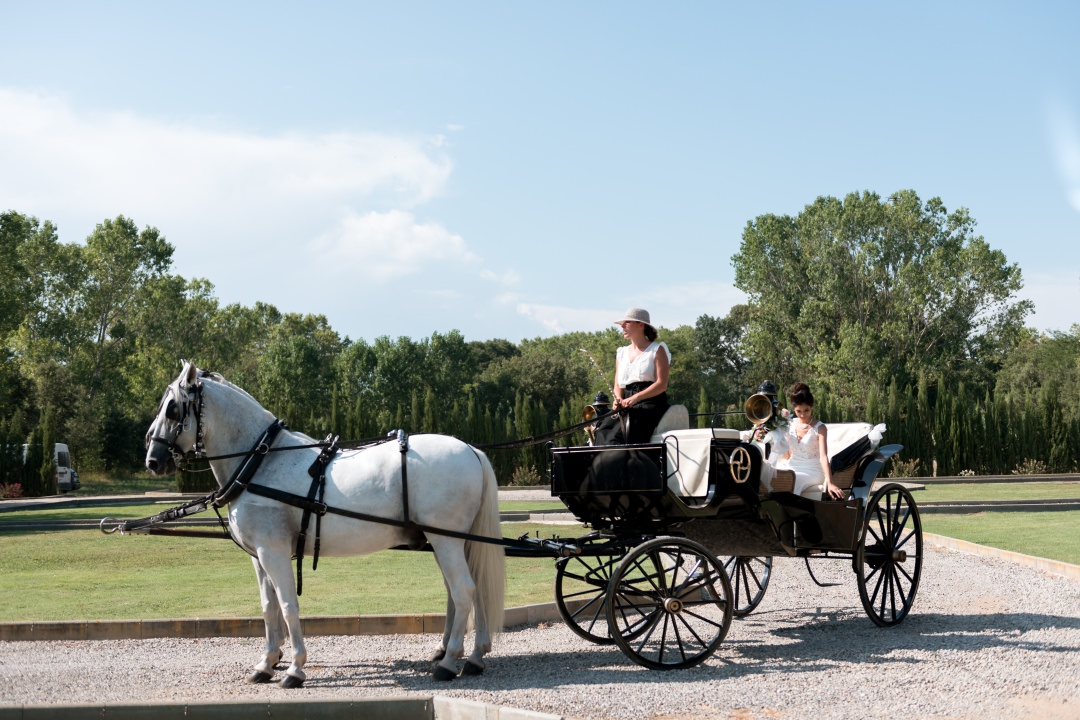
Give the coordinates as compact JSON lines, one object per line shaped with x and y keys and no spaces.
{"x":805,"y":460}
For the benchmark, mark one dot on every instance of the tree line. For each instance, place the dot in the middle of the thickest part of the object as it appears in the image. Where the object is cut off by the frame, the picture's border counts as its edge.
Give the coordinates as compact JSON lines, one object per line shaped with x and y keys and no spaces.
{"x":892,"y":309}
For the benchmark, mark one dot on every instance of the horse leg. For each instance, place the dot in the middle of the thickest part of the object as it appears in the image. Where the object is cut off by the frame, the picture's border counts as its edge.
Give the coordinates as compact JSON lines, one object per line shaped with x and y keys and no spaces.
{"x":278,"y":567}
{"x":441,"y":652}
{"x":481,"y":643}
{"x":460,"y":591}
{"x":275,"y":627}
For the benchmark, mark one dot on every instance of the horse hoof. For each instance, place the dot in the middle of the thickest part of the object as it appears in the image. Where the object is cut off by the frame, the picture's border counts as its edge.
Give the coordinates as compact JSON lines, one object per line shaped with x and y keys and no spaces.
{"x":259,"y":677}
{"x":438,"y":655}
{"x":472,"y":669}
{"x":443,"y":675}
{"x":290,"y":682}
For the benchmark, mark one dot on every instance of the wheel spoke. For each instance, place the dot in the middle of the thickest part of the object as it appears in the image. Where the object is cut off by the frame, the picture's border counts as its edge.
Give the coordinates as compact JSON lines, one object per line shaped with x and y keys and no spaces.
{"x":687,"y":596}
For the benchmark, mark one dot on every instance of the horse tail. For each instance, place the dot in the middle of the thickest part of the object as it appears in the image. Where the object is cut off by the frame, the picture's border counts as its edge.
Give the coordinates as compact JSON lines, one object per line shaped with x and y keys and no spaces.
{"x":487,"y":561}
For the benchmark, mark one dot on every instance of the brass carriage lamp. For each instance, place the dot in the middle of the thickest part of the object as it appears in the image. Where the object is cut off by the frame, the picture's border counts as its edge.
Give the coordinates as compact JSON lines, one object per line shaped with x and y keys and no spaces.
{"x":601,"y":405}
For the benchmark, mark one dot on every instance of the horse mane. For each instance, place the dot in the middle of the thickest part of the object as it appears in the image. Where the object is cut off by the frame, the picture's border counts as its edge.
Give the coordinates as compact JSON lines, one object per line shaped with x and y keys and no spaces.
{"x":220,"y":379}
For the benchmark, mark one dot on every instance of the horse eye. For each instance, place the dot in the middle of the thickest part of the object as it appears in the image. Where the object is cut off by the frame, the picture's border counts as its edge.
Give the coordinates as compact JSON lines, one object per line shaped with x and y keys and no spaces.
{"x":172,"y":411}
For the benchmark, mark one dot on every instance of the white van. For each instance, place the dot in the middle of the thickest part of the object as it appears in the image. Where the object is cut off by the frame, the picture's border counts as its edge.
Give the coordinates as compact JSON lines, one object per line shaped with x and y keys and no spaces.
{"x":65,"y":479}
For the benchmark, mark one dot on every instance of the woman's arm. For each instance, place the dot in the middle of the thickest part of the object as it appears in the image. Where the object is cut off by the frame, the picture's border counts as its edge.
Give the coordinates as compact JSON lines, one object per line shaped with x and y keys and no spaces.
{"x":618,"y":401}
{"x":659,"y":385}
{"x":823,"y":456}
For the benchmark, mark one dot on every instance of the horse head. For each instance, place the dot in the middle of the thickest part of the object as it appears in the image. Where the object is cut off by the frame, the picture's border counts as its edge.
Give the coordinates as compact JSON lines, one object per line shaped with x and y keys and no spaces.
{"x":203,"y":413}
{"x":176,"y":428}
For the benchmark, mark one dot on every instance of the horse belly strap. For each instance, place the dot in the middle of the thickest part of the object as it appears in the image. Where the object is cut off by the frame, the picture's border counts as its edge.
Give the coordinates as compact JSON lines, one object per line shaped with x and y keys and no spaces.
{"x":310,"y":505}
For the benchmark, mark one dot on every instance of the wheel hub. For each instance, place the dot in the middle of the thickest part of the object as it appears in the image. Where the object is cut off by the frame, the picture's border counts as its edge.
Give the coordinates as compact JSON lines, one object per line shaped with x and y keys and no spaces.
{"x":899,"y":556}
{"x":673,"y":606}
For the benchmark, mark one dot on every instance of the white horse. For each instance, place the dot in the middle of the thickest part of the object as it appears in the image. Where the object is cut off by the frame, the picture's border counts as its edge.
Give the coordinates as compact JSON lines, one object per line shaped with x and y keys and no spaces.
{"x":451,"y":486}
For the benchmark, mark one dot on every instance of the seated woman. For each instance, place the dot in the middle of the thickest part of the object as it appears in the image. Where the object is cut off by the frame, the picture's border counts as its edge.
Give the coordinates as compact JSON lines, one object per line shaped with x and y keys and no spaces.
{"x":808,"y":455}
{"x":641,"y":378}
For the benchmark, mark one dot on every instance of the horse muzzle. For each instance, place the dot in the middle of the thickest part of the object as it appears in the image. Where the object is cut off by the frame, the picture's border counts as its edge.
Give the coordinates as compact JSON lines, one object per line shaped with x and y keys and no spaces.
{"x":159,"y":458}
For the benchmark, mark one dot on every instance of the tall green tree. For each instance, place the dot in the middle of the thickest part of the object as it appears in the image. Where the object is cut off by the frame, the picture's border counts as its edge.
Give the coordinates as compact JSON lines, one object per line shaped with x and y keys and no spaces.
{"x":852,"y":293}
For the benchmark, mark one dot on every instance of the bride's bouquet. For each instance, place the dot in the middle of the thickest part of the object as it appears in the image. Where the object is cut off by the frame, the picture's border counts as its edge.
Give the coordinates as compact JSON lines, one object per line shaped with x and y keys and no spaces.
{"x":776,"y":425}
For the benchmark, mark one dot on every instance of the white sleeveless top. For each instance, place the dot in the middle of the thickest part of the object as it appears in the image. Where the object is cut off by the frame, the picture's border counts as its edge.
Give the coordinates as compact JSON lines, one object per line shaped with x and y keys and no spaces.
{"x":643,"y":368}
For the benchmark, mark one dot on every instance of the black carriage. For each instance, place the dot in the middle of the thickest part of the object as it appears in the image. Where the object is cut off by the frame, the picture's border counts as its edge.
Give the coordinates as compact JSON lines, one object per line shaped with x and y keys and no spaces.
{"x":685,"y":529}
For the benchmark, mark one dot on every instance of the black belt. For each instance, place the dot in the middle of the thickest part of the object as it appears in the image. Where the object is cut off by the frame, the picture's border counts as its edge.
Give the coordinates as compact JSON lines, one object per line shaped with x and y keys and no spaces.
{"x":635,"y":387}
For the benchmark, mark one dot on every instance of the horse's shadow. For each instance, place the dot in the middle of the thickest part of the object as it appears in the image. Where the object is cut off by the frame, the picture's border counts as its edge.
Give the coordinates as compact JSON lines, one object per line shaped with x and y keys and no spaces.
{"x":811,"y":641}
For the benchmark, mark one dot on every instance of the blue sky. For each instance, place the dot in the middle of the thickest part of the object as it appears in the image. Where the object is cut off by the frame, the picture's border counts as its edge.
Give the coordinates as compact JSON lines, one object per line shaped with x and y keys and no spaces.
{"x":521,"y":169}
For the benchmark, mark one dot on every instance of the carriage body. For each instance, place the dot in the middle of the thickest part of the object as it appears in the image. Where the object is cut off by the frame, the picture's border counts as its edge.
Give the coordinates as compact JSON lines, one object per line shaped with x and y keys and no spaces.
{"x":686,"y":527}
{"x":713,"y":477}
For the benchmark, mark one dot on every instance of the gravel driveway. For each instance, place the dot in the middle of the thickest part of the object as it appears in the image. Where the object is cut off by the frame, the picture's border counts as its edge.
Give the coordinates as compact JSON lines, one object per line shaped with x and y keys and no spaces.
{"x":986,"y":639}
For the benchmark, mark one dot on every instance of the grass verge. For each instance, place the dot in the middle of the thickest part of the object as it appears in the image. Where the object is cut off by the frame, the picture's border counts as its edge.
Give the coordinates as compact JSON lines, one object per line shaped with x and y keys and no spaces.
{"x":84,"y":575}
{"x":1054,"y":535}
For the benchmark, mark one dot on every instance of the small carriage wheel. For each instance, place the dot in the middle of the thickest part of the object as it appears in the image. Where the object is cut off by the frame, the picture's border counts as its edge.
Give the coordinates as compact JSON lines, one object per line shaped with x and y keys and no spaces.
{"x":581,"y":587}
{"x":749,"y":578}
{"x":669,"y":604}
{"x":888,"y":561}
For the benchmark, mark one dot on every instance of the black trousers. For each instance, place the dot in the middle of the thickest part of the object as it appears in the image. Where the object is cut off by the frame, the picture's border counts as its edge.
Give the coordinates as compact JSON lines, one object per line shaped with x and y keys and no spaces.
{"x":640,"y":420}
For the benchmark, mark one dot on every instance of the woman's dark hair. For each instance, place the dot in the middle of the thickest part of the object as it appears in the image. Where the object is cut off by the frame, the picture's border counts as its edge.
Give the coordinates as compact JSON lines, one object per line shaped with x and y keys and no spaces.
{"x":801,"y":395}
{"x":650,"y":333}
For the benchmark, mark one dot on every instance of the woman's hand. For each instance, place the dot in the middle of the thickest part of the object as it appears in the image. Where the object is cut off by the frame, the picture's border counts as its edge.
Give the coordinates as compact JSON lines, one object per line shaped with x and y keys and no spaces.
{"x":833,"y":491}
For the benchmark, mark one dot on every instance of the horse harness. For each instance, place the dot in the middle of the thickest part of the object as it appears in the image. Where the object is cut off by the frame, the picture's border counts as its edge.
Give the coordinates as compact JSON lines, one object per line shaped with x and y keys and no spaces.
{"x":179,"y":411}
{"x":313,"y":504}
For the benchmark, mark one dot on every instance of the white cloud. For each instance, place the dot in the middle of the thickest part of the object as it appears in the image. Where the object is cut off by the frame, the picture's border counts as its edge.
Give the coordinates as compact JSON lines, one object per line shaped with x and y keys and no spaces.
{"x":1065,"y":141}
{"x":1056,"y":296}
{"x":60,"y":162}
{"x":555,"y":319}
{"x":282,"y":218}
{"x":389,"y":246}
{"x":669,"y":306}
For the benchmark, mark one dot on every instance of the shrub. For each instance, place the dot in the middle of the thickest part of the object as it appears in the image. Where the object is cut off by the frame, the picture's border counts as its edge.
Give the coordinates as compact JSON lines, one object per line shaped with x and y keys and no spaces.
{"x":10,"y":490}
{"x":1030,"y":467}
{"x":526,"y":475}
{"x":904,"y":468}
{"x":967,"y":473}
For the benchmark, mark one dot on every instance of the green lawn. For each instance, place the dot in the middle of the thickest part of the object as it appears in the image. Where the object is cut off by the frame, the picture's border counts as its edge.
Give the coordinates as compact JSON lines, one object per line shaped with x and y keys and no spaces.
{"x":998,"y":491}
{"x":84,"y":575}
{"x":1054,"y":535}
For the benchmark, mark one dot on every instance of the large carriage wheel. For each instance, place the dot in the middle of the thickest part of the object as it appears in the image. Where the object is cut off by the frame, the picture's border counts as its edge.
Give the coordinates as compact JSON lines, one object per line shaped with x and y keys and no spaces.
{"x":749,"y":578}
{"x":581,"y":587}
{"x":669,"y":604}
{"x":888,"y":561}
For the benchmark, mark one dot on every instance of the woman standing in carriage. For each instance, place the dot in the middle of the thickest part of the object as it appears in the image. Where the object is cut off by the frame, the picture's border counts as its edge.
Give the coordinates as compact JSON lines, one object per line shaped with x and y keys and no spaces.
{"x":641,"y":378}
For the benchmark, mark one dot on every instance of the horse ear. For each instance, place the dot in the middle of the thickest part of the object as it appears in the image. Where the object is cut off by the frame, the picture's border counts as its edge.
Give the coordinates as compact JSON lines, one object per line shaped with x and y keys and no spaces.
{"x":189,"y":373}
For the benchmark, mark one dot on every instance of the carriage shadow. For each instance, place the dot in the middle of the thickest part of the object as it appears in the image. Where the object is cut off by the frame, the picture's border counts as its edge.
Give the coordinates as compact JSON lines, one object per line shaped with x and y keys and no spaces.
{"x":765,"y":643}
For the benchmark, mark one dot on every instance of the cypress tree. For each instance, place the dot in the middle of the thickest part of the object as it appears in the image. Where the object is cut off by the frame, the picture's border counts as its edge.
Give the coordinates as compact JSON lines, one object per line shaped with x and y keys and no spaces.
{"x":703,"y":408}
{"x":430,"y":422}
{"x":414,"y":413}
{"x":31,"y":475}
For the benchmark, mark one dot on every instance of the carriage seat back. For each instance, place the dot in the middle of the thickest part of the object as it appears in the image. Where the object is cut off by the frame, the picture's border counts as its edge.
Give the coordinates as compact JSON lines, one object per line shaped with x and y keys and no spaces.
{"x":688,"y":453}
{"x":846,"y":437}
{"x":677,"y":417}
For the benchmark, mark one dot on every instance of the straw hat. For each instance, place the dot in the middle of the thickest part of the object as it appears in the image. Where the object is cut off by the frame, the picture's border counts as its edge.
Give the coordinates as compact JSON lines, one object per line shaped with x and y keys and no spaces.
{"x":636,"y":314}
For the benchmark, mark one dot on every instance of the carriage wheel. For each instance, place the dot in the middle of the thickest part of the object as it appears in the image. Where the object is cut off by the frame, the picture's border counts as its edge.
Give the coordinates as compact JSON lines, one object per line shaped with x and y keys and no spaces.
{"x":749,"y":579}
{"x":581,"y":586}
{"x":888,"y":561}
{"x":669,"y":604}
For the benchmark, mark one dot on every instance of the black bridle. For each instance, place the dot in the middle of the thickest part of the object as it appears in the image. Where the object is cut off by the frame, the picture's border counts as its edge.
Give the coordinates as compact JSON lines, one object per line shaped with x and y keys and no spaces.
{"x":178,"y":411}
